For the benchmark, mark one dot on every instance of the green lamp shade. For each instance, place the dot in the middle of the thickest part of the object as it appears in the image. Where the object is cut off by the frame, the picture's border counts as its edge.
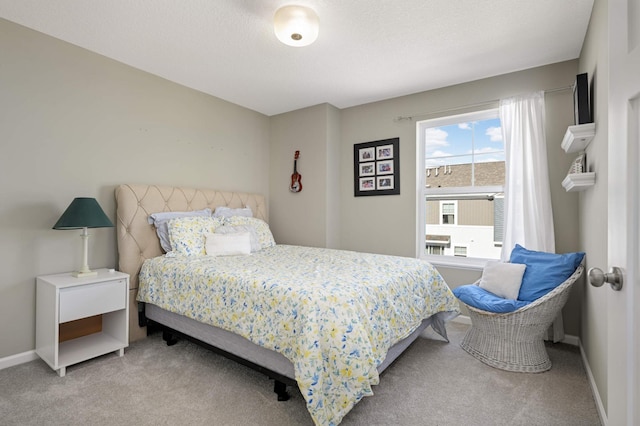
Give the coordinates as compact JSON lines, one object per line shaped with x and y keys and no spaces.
{"x":83,"y":213}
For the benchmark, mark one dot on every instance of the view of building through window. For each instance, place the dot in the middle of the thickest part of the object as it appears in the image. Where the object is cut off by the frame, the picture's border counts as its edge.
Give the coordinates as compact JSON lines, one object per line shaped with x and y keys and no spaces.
{"x":464,"y":173}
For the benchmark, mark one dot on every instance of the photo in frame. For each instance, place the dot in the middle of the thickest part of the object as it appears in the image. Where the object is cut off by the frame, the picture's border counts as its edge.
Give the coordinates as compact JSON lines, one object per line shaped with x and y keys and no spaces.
{"x":367,"y":154}
{"x":384,"y":167}
{"x":376,"y":167}
{"x":367,"y":169}
{"x":368,"y":184}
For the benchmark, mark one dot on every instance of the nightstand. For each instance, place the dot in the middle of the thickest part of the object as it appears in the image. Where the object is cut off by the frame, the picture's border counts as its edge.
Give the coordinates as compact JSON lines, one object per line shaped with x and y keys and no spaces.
{"x":62,"y":299}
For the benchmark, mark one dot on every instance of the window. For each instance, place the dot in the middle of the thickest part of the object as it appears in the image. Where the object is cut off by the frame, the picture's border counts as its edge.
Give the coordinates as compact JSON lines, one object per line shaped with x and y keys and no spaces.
{"x":460,"y":251}
{"x":461,"y":173}
{"x":448,"y":212}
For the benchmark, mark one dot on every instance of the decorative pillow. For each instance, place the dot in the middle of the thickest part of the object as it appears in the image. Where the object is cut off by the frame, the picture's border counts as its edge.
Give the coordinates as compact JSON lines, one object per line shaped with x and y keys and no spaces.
{"x":265,"y":237}
{"x":502,"y":279}
{"x":226,"y":229}
{"x":480,"y":298}
{"x":161,"y":222}
{"x":187,"y":234}
{"x":545,"y":271}
{"x":223,"y":211}
{"x":228,"y":244}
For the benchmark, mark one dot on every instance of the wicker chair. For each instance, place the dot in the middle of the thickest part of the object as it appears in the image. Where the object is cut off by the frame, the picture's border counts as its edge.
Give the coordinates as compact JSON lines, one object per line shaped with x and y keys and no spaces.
{"x":514,"y":341}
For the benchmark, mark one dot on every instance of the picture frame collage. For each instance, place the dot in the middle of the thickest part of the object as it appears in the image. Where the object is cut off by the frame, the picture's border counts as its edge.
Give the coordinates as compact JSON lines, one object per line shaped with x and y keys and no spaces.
{"x":377,"y":167}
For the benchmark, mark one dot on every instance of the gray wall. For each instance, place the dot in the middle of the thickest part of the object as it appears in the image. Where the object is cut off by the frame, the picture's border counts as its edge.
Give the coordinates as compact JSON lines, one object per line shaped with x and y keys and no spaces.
{"x":387,"y":224}
{"x":309,"y":217}
{"x":74,"y":123}
{"x":593,"y":206}
{"x":77,"y":124}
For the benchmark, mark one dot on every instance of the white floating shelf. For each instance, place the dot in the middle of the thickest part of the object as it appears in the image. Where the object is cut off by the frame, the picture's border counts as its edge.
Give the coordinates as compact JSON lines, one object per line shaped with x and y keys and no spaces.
{"x":579,"y":181}
{"x":577,"y":137}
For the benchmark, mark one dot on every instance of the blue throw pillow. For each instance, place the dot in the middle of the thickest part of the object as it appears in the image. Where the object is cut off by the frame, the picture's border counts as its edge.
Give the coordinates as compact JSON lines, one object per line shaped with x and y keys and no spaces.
{"x":545,"y":271}
{"x":480,"y":298}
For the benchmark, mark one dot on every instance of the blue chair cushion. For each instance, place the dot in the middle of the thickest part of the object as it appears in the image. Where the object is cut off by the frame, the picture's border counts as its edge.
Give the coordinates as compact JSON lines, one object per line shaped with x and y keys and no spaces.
{"x":480,"y":298}
{"x":545,"y":271}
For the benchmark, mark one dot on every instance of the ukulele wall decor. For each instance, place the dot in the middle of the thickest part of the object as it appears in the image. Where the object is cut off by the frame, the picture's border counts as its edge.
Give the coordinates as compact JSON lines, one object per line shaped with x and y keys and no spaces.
{"x":296,"y":178}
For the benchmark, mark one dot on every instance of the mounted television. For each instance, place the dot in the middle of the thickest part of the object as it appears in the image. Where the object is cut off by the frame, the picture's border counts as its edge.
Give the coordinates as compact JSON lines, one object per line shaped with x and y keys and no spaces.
{"x":581,"y":107}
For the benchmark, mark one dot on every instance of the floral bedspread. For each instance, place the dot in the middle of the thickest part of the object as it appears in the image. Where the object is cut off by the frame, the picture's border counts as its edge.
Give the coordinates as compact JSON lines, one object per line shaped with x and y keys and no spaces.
{"x":333,"y":313}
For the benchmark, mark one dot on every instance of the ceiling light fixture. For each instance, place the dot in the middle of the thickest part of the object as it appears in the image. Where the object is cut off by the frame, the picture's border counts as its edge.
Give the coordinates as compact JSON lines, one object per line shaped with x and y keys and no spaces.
{"x":296,"y":25}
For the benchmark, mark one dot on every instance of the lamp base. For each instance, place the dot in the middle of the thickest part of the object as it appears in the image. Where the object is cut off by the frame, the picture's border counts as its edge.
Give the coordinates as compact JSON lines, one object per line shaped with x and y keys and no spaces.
{"x":79,"y":274}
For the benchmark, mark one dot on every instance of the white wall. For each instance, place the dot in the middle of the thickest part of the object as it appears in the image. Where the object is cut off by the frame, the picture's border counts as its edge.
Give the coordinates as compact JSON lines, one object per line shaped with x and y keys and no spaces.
{"x":74,"y":123}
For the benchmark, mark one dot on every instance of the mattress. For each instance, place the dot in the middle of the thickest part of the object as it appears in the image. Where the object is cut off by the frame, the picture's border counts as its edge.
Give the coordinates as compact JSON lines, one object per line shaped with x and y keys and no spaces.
{"x":334,"y":314}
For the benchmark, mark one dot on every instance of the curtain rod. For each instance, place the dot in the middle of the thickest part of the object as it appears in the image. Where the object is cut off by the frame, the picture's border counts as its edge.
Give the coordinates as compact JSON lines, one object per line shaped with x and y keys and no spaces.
{"x":479,"y":104}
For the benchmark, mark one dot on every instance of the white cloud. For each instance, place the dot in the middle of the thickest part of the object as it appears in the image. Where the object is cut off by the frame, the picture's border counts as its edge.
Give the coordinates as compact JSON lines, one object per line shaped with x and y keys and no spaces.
{"x":489,"y":160}
{"x":432,"y":164}
{"x":483,"y":157}
{"x":464,"y":126}
{"x":435,"y":138}
{"x":439,"y":153}
{"x":435,"y":159}
{"x":483,"y":150}
{"x":495,"y":134}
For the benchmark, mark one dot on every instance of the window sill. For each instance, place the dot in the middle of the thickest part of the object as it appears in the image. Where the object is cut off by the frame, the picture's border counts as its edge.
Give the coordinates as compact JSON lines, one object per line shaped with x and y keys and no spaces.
{"x":473,"y":264}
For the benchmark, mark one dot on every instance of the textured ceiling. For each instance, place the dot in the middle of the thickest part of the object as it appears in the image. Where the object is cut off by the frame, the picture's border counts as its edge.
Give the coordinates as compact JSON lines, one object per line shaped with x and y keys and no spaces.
{"x":367,"y":50}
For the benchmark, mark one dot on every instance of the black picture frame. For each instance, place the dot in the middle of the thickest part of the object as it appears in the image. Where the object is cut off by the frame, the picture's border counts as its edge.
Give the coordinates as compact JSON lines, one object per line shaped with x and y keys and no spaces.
{"x":581,"y":108}
{"x":376,"y":168}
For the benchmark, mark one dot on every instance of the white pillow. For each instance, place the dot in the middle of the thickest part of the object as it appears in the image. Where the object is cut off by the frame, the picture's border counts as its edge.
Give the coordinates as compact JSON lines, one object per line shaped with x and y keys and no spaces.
{"x":255,"y":242}
{"x":228,"y":244}
{"x":502,"y":279}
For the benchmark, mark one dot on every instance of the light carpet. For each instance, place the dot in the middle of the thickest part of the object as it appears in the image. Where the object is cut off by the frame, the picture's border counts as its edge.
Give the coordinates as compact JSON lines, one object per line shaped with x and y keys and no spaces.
{"x":432,"y":383}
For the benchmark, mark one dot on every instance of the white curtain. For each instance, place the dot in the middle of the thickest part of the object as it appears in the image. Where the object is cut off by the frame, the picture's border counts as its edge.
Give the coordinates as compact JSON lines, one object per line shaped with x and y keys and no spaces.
{"x":528,"y":217}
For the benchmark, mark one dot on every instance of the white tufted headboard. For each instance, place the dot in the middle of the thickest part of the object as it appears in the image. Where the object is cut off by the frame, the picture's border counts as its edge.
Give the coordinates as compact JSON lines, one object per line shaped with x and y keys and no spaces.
{"x":137,"y":239}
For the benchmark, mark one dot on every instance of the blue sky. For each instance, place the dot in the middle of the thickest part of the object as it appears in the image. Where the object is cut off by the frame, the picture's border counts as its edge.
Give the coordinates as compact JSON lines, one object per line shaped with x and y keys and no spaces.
{"x":453,"y":144}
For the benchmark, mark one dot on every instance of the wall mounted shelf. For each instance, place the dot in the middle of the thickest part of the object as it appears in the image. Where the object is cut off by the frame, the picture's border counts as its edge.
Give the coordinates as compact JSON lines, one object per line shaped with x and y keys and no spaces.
{"x":579,"y":181}
{"x":578,"y":137}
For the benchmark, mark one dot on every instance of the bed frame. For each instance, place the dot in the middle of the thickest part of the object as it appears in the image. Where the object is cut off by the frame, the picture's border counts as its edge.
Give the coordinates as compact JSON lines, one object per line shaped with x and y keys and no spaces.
{"x":137,"y":241}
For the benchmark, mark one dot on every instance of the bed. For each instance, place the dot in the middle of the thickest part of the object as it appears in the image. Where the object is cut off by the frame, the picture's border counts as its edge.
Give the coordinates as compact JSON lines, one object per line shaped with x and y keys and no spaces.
{"x":329,"y":321}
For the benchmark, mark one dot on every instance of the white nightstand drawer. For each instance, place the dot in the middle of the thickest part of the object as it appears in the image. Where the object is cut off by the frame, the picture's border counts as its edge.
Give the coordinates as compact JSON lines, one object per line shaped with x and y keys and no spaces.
{"x":94,"y":299}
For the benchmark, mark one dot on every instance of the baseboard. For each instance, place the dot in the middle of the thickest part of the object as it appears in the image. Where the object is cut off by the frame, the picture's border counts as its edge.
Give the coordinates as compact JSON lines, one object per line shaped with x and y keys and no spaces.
{"x":10,"y":361}
{"x":571,"y":340}
{"x":594,"y":388}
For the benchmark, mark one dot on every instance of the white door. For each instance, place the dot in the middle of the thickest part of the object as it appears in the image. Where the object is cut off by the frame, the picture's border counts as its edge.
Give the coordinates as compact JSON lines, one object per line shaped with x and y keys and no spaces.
{"x":624,"y":212}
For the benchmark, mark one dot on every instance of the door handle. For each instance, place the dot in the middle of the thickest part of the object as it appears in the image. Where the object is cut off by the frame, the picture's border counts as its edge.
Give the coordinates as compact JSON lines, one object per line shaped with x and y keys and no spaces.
{"x":613,"y":277}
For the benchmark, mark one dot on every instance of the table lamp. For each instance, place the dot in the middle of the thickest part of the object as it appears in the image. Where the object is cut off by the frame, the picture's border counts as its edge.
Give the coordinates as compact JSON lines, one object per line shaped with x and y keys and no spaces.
{"x":83,"y":213}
